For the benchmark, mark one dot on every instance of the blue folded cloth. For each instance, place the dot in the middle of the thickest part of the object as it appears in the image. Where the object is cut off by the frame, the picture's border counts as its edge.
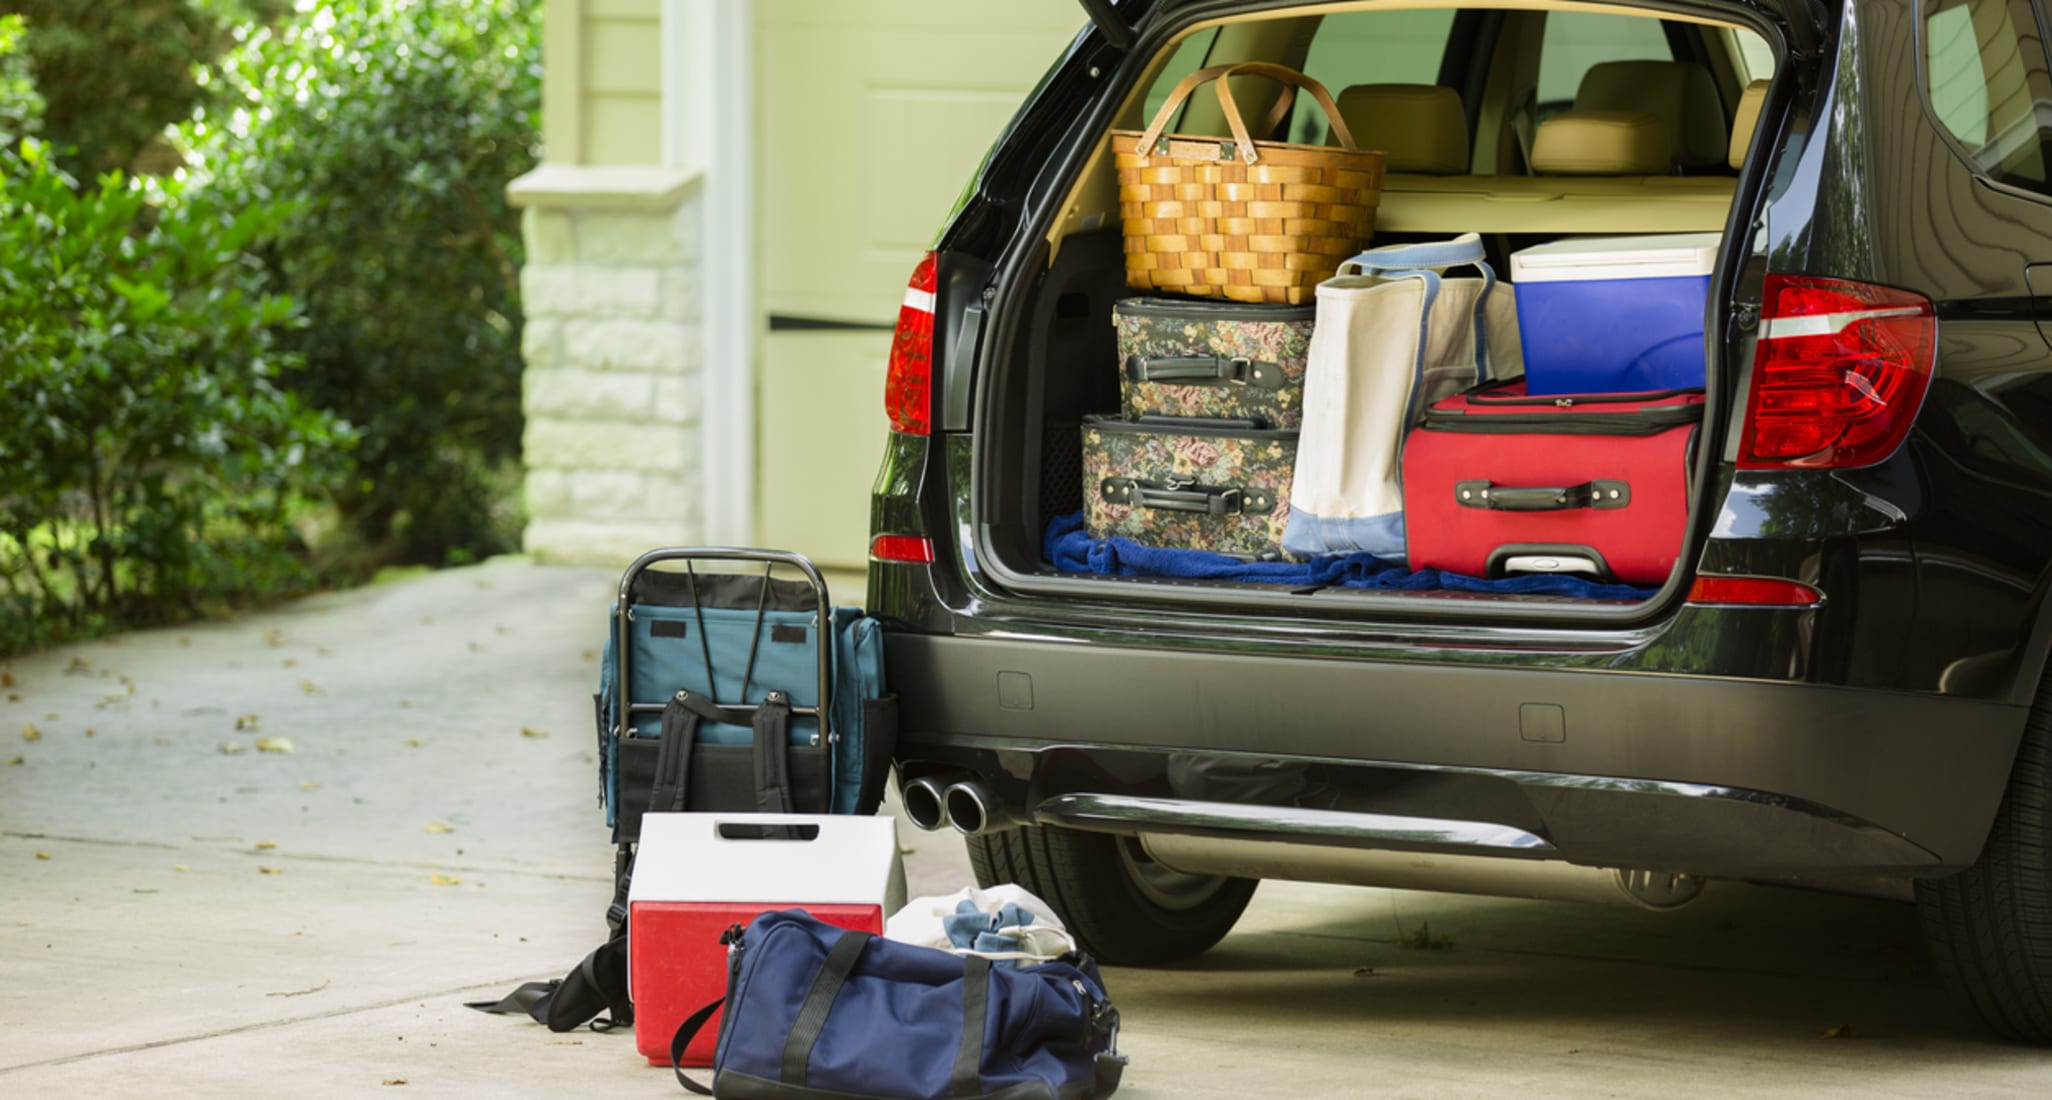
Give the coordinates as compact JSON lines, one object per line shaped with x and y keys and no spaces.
{"x":1069,"y":547}
{"x":973,"y":929}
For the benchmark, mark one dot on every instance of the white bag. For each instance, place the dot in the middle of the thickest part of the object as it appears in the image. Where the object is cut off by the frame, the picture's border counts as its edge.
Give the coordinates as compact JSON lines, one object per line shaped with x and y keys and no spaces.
{"x":1045,"y":938}
{"x":1393,"y":335}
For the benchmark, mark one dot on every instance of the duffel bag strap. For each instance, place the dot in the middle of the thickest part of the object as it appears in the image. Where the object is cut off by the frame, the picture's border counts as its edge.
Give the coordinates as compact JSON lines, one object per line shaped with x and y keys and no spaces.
{"x":686,"y":1031}
{"x":967,"y":1077}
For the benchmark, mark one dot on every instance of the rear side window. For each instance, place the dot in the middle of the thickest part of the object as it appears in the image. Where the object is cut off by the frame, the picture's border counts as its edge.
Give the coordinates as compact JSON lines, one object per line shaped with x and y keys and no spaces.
{"x":1986,"y":74}
{"x":1370,"y":47}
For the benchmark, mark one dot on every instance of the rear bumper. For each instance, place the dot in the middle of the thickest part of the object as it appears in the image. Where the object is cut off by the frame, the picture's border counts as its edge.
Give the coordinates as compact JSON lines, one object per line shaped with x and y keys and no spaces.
{"x":1714,"y":777}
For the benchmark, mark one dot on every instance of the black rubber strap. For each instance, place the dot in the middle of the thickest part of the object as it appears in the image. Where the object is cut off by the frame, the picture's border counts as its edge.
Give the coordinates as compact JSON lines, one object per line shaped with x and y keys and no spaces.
{"x":772,"y":740}
{"x":968,"y":1075}
{"x":812,"y":1015}
{"x":672,"y":784}
{"x":685,"y":1033}
{"x":1107,"y":1067}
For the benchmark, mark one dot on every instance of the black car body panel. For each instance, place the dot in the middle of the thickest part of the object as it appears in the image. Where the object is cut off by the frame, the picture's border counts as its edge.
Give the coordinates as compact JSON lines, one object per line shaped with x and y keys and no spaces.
{"x":1872,"y":733}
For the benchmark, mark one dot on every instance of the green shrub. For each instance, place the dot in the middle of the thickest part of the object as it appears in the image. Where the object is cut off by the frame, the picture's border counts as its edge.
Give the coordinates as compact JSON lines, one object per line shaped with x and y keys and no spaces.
{"x":395,"y":127}
{"x":149,"y":460}
{"x":115,"y":73}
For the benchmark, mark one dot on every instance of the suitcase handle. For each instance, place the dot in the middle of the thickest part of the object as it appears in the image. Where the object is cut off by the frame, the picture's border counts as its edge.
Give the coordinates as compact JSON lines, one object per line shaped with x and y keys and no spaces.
{"x":1181,"y":495}
{"x":1506,"y":498}
{"x":1200,"y":371}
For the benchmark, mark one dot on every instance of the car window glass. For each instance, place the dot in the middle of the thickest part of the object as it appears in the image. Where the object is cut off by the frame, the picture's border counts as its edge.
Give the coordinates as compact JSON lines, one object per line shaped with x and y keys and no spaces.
{"x":1754,"y":58}
{"x":1188,"y":58}
{"x":1577,"y":41}
{"x":1370,"y":47}
{"x":1986,"y":74}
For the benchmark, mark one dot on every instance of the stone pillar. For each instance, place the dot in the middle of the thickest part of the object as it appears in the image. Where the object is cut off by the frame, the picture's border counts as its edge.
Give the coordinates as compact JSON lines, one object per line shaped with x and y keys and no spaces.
{"x":615,"y":357}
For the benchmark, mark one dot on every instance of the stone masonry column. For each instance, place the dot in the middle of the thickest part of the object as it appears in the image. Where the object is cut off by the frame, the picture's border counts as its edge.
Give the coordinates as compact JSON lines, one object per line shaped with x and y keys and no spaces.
{"x":614,"y":346}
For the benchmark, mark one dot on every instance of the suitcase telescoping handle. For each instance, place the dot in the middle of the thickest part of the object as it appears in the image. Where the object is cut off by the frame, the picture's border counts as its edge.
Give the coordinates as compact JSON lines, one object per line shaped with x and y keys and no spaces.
{"x":822,"y":620}
{"x":1185,"y":495}
{"x":1195,"y":370}
{"x":1506,"y":498}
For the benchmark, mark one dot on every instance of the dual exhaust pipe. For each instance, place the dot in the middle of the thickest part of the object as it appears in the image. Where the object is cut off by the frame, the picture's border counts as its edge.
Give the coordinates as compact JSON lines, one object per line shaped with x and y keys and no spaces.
{"x":933,"y":801}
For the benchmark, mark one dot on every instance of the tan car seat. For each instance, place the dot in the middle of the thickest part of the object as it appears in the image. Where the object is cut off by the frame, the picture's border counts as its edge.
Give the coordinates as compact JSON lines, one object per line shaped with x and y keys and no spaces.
{"x":1680,"y":93}
{"x":1419,"y":126}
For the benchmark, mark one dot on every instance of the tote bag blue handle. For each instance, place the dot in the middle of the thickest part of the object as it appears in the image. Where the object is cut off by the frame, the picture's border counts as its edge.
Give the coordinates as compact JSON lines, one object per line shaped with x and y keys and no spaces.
{"x":1425,"y":259}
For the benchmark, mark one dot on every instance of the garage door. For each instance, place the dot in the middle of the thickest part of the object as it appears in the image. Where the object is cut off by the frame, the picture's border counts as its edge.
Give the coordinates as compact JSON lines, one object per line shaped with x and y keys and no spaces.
{"x":871,"y":116}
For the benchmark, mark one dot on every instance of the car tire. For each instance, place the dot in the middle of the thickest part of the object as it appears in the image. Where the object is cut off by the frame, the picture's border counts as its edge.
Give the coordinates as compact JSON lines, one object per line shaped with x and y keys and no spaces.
{"x":1124,"y":909}
{"x":1989,"y":928}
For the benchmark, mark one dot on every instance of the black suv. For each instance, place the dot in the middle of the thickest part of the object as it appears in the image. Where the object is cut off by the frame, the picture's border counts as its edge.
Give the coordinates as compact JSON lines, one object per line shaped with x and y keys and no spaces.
{"x":1840,"y":686}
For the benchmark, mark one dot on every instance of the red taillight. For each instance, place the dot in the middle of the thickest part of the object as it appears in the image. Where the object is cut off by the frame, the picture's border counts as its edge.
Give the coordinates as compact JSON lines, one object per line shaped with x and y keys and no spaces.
{"x":908,"y":383}
{"x":1838,"y":375}
{"x":1754,"y":591}
{"x":901,"y":548}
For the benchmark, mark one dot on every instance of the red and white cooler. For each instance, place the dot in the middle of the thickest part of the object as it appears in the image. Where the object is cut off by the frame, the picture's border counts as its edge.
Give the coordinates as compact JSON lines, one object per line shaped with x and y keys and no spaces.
{"x":698,"y":874}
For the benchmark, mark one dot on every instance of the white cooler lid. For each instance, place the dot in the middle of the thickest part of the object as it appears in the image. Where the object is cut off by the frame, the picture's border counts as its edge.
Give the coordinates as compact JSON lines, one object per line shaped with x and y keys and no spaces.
{"x":1653,"y":256}
{"x":850,"y":861}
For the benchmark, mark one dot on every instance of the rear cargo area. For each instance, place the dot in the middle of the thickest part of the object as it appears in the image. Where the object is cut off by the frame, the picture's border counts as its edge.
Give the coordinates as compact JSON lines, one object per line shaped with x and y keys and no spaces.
{"x":1112,"y":460}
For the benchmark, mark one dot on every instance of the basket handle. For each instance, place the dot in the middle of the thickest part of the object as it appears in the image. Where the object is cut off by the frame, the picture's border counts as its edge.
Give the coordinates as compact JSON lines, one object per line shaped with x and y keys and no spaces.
{"x":1289,"y":77}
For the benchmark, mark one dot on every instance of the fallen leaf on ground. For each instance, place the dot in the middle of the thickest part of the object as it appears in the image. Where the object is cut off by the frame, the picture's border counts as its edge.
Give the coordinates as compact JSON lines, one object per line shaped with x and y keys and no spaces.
{"x":184,"y":641}
{"x":160,"y":740}
{"x":51,"y":716}
{"x":447,"y":880}
{"x":311,"y":688}
{"x":180,"y":867}
{"x":266,"y":845}
{"x":395,"y":1080}
{"x":17,"y":761}
{"x":476,"y":648}
{"x":325,"y":652}
{"x":230,"y":748}
{"x":29,"y":732}
{"x":14,"y":697}
{"x":1364,"y":972}
{"x":310,"y":785}
{"x":589,"y":655}
{"x":413,"y":742}
{"x":89,"y":731}
{"x":6,"y":679}
{"x":530,"y":731}
{"x":270,"y":870}
{"x":77,"y":665}
{"x":438,"y":827}
{"x":42,"y":855}
{"x":405,"y":702}
{"x":274,"y":744}
{"x":246,"y":721}
{"x":1842,"y":1031}
{"x":291,"y":662}
{"x":274,"y":637}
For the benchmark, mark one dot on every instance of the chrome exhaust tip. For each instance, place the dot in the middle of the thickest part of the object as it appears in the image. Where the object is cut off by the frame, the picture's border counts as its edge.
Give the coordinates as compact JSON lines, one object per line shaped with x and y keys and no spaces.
{"x":925,"y":802}
{"x":968,"y":807}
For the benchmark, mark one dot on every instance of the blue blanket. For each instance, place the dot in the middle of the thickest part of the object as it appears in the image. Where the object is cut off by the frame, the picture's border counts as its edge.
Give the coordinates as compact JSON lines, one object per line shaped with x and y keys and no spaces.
{"x":1071,"y":549}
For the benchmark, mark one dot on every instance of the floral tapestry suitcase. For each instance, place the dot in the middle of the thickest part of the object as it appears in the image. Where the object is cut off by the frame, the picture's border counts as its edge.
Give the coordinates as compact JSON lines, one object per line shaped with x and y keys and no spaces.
{"x":1220,"y":360}
{"x":1188,"y":484}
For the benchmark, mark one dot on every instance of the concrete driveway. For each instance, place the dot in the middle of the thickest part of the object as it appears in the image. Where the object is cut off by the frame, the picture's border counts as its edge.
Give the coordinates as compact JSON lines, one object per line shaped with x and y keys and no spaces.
{"x":187,"y":914}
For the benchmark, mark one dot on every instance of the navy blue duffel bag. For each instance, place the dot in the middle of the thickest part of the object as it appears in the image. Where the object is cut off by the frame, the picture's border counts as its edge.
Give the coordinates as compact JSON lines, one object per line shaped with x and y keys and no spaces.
{"x":816,"y":1012}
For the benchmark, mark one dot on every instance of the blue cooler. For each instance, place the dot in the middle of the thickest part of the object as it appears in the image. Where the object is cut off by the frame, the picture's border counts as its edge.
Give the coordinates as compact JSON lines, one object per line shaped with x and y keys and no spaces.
{"x":1614,"y":314}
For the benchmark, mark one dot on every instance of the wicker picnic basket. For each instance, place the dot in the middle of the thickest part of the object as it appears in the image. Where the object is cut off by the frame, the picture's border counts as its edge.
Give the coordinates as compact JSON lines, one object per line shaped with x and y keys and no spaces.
{"x":1254,"y":221}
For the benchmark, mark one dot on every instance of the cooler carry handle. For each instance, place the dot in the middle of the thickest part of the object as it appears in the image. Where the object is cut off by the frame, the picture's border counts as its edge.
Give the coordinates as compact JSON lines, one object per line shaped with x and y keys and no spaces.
{"x":1185,"y":495}
{"x":1195,"y":370}
{"x":1507,"y":498}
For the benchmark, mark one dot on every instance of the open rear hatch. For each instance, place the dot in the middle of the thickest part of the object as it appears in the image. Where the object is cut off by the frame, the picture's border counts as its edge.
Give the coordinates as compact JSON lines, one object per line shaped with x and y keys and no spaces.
{"x":1049,"y":406}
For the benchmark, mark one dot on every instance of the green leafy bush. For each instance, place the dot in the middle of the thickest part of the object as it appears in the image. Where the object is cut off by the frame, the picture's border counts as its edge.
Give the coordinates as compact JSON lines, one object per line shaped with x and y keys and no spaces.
{"x":395,"y":127}
{"x":115,"y":73}
{"x":149,"y":461}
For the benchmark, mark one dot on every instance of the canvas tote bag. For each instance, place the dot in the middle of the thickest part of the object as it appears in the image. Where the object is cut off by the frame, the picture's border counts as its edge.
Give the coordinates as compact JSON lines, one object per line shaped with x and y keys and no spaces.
{"x":1393,"y":335}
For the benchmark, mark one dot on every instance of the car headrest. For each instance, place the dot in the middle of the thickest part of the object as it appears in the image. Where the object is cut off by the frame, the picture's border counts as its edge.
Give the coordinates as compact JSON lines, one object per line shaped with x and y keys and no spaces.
{"x":1419,"y":127}
{"x":1746,"y":120}
{"x":1681,"y":93}
{"x":1601,"y":143}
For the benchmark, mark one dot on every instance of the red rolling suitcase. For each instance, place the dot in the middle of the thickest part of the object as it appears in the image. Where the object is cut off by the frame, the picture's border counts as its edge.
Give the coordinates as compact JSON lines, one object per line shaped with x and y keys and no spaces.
{"x":1497,"y":481}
